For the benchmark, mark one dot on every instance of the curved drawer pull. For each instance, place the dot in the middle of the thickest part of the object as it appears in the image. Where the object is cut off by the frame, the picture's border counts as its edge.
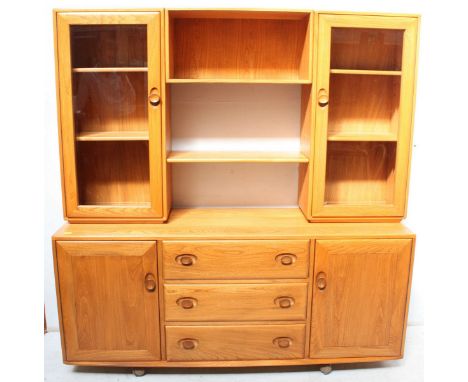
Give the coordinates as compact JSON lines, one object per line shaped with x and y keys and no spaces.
{"x":286,"y":258}
{"x":283,"y":342}
{"x":187,"y":302}
{"x":188,"y":343}
{"x":186,"y":259}
{"x":284,"y":302}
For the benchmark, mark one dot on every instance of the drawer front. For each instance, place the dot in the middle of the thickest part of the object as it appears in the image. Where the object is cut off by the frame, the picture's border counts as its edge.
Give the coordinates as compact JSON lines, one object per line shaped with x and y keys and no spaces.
{"x":229,"y":343}
{"x":235,"y":302}
{"x":235,"y":259}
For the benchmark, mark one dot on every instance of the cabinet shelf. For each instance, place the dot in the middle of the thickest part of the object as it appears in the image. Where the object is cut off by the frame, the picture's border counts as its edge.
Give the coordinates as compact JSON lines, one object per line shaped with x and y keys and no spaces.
{"x":87,"y":136}
{"x":373,"y":137}
{"x":367,"y":72}
{"x":236,"y":81}
{"x":110,"y":70}
{"x":235,"y":157}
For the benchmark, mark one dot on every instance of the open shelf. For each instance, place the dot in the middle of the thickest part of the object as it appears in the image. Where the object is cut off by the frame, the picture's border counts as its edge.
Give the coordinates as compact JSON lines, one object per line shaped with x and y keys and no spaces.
{"x":235,"y":157}
{"x":239,"y":46}
{"x":108,"y":46}
{"x":362,"y":106}
{"x":379,"y":137}
{"x":360,"y":173}
{"x":107,"y":70}
{"x":366,"y":48}
{"x":113,"y":173}
{"x":367,"y":72}
{"x":110,"y":102}
{"x":236,"y":81}
{"x":112,"y":136}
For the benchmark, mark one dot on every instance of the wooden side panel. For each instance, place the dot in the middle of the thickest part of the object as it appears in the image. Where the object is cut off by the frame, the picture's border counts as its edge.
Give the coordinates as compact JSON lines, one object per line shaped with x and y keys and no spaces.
{"x":233,"y":259}
{"x":107,"y":313}
{"x":359,"y":297}
{"x":235,"y":302}
{"x":221,"y":343}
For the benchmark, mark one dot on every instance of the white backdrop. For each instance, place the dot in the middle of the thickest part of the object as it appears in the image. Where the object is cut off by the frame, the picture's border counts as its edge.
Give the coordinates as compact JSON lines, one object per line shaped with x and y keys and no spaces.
{"x":426,"y":170}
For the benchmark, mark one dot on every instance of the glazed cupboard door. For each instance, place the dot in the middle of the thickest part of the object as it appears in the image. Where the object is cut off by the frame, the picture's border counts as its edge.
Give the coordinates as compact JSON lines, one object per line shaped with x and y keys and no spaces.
{"x":109,"y":75}
{"x":109,"y":300}
{"x":364,"y":115}
{"x":360,"y":297}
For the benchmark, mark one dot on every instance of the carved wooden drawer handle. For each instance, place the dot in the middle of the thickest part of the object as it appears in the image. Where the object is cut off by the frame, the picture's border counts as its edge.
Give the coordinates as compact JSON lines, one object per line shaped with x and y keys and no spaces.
{"x":284,"y":302}
{"x":286,"y":258}
{"x":187,"y":302}
{"x":283,"y":342}
{"x":188,"y":343}
{"x":150,"y":282}
{"x":186,"y":259}
{"x":321,"y":280}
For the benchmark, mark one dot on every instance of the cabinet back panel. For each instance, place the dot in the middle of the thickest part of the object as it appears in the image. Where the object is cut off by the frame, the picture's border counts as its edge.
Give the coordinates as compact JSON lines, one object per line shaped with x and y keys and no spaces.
{"x":239,"y":48}
{"x":360,"y":172}
{"x":108,"y":45}
{"x":110,"y":101}
{"x":232,"y":117}
{"x":366,"y":48}
{"x":113,"y":173}
{"x":234,"y":185}
{"x":362,"y":104}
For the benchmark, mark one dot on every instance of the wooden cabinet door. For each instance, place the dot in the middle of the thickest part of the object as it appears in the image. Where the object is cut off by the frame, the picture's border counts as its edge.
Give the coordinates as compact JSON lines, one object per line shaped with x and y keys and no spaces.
{"x":363,"y":115}
{"x":109,"y":300}
{"x":109,"y":81}
{"x":360,"y":297}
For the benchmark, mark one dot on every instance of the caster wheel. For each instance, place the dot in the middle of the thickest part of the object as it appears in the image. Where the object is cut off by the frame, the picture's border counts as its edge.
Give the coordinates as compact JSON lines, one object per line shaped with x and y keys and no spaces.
{"x":139,"y":372}
{"x":326,"y":369}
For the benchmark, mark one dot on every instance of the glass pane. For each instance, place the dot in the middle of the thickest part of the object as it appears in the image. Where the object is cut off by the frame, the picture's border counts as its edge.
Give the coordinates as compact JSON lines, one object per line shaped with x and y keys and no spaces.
{"x":372,"y":49}
{"x":113,"y":173}
{"x":95,"y":46}
{"x":363,"y":105}
{"x":360,"y":173}
{"x":114,"y":101}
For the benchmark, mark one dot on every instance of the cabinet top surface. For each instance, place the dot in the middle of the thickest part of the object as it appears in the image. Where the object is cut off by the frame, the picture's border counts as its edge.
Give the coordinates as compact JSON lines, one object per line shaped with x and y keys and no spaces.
{"x":234,"y":223}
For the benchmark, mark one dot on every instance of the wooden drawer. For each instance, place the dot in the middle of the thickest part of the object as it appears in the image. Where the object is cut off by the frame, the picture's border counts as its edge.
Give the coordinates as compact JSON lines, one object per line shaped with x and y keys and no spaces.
{"x":235,"y":302}
{"x":235,"y":259}
{"x":228,"y":343}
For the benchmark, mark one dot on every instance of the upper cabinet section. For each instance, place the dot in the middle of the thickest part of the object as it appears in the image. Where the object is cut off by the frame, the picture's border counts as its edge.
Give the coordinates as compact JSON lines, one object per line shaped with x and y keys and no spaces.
{"x":239,"y":46}
{"x":365,"y":77}
{"x":109,"y":76}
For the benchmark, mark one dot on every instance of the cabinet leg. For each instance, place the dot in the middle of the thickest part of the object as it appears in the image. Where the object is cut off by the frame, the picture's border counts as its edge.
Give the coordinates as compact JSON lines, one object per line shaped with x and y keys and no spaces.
{"x":139,"y":372}
{"x":326,"y":369}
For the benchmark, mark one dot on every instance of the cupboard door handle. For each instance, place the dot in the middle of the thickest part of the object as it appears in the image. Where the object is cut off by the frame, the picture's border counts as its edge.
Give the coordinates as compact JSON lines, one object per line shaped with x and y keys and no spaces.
{"x":286,"y":258}
{"x":150,"y":282}
{"x":284,"y":302}
{"x":322,"y":98}
{"x":188,"y":343}
{"x":186,"y":259}
{"x":283,"y":342}
{"x":187,"y":302}
{"x":321,"y":280}
{"x":154,"y":98}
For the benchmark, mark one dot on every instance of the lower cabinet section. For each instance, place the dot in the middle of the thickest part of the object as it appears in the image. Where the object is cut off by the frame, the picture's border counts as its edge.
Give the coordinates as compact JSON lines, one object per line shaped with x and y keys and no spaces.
{"x":229,"y":343}
{"x":109,"y":302}
{"x":351,"y":306}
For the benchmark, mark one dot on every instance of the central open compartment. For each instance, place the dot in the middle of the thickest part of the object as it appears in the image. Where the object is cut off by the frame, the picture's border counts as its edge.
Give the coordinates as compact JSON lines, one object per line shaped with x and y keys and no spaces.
{"x":237,"y":145}
{"x":239,"y":46}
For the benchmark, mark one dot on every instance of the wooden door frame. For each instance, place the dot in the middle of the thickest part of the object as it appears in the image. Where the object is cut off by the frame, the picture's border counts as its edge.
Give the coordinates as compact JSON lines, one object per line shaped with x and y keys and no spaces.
{"x":154,"y":22}
{"x":407,"y":88}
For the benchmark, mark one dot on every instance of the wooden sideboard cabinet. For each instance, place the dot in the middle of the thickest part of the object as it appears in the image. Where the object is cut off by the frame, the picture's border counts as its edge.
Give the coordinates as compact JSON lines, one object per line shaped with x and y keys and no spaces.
{"x":154,"y":268}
